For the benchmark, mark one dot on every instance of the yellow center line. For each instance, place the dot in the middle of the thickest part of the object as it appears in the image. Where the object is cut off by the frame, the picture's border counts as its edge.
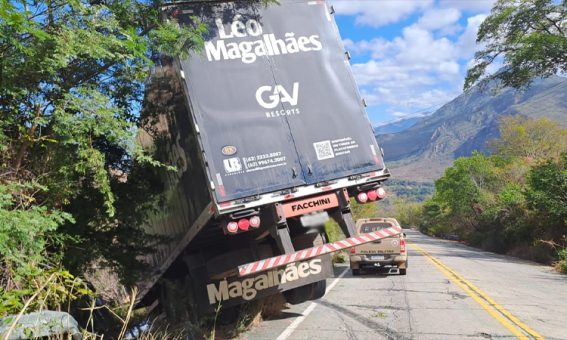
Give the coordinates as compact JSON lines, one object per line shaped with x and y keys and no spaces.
{"x":512,"y":323}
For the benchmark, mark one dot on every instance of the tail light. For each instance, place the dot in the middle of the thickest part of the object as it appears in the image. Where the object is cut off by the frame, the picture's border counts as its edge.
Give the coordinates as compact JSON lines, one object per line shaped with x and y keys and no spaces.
{"x":372,"y":195}
{"x":243,"y":224}
{"x":381,"y":193}
{"x":402,"y":246}
{"x":232,"y":227}
{"x":255,"y":221}
{"x":353,"y":250}
{"x":362,"y":197}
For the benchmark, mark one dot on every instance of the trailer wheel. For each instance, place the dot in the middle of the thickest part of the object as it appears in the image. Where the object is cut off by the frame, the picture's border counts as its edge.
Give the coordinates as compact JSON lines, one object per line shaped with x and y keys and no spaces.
{"x":319,"y":289}
{"x":308,"y":292}
{"x":312,"y":291}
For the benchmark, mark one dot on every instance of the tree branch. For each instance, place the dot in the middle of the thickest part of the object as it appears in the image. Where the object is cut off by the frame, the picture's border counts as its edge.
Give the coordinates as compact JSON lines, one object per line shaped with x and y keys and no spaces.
{"x":27,"y":141}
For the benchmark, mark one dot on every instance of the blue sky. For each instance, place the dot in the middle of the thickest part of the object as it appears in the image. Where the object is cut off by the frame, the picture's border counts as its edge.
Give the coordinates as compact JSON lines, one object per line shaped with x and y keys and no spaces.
{"x":409,"y":57}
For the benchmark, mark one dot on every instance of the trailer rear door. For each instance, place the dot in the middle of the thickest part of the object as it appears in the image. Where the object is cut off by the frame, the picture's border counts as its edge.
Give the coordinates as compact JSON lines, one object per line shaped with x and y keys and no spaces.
{"x":273,"y":97}
{"x":333,"y":136}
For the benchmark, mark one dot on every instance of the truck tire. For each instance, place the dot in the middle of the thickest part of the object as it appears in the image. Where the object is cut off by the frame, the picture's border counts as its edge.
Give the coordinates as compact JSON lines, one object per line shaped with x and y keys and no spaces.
{"x":308,"y":292}
{"x":355,"y":272}
{"x":404,"y":270}
{"x":319,"y":289}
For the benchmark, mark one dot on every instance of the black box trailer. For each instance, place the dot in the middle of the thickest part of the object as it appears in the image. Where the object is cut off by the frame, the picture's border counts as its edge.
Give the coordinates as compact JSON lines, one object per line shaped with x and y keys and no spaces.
{"x":270,"y":137}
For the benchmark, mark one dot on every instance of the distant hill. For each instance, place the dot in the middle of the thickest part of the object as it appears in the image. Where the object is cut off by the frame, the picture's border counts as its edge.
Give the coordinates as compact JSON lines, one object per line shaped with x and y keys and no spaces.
{"x":397,"y":126}
{"x":465,"y":124}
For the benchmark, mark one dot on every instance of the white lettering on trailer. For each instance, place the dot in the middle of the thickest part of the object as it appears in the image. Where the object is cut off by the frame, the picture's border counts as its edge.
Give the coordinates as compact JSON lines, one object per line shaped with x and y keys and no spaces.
{"x":249,"y":51}
{"x":247,"y":289}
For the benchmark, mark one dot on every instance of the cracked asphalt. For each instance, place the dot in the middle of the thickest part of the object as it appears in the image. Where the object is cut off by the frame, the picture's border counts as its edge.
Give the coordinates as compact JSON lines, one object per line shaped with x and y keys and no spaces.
{"x":429,"y":303}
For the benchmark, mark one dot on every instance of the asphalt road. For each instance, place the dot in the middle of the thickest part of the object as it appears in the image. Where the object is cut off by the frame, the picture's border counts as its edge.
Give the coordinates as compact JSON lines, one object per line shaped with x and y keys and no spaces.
{"x":450,"y":292}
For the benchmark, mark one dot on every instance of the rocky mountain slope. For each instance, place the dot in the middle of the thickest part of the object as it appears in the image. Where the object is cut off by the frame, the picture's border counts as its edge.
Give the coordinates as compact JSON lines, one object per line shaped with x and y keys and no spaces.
{"x":465,"y":124}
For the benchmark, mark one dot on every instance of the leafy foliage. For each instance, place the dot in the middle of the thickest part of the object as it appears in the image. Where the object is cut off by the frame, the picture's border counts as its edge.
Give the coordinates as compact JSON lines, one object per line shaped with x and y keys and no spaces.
{"x":512,"y":201}
{"x":530,"y":35}
{"x":25,"y":228}
{"x":530,"y":139}
{"x":74,"y":185}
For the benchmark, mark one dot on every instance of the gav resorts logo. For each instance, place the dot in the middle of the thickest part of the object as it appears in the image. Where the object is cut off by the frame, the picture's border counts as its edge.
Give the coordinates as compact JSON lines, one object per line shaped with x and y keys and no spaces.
{"x":270,"y":97}
{"x":276,"y":95}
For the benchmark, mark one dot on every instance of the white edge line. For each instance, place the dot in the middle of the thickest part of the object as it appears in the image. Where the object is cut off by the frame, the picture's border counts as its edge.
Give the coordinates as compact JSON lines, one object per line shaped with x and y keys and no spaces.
{"x":293,"y":326}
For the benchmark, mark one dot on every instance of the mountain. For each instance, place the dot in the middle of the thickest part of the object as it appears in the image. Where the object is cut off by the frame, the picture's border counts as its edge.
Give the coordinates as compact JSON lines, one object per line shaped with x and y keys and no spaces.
{"x":465,"y":124}
{"x":397,"y":126}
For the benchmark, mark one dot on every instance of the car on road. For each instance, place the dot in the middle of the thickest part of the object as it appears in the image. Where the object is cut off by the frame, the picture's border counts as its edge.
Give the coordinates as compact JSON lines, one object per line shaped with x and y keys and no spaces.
{"x":390,"y":251}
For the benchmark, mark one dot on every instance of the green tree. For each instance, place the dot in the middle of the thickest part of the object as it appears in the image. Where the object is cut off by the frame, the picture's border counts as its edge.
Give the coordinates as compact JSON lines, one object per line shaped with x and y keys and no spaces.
{"x":533,"y":139}
{"x":547,"y":191}
{"x":530,"y":36}
{"x":71,"y":82}
{"x":408,"y":213}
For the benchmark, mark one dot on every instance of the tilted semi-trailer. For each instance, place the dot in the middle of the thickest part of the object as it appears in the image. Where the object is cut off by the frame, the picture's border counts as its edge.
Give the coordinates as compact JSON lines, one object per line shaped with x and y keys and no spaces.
{"x":270,"y":138}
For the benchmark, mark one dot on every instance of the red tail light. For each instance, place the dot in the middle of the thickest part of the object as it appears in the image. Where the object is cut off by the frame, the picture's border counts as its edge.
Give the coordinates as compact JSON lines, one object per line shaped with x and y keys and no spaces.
{"x":381,"y":193}
{"x":402,"y":246}
{"x":353,"y":250}
{"x":372,"y":195}
{"x":243,"y":224}
{"x":232,"y":227}
{"x":255,"y":221}
{"x":362,"y":197}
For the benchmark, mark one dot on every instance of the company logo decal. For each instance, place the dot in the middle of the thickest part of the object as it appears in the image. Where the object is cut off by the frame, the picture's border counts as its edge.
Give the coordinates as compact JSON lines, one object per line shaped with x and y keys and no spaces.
{"x":301,"y":207}
{"x":276,"y":95}
{"x":232,"y":165}
{"x":247,"y":289}
{"x":228,"y":150}
{"x":249,"y":51}
{"x":270,"y":97}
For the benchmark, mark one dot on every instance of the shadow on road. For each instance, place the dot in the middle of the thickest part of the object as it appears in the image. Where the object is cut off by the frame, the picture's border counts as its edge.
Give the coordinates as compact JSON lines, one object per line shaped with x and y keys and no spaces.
{"x":379,"y":328}
{"x":284,"y":315}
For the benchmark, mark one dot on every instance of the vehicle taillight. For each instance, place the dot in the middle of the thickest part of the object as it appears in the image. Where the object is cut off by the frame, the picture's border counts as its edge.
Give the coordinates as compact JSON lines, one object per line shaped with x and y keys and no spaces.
{"x":255,"y":221}
{"x":243,"y":224}
{"x":402,"y":246}
{"x":372,"y":195}
{"x":381,"y":193}
{"x":362,"y":197}
{"x":232,"y":227}
{"x":353,"y":250}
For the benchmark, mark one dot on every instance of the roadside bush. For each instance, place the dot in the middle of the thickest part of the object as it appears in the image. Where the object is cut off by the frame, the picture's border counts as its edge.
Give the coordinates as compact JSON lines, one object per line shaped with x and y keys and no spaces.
{"x":562,"y":264}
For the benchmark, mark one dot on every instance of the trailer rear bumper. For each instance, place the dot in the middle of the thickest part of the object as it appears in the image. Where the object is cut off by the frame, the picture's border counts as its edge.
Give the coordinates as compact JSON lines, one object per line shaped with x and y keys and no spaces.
{"x":305,"y":254}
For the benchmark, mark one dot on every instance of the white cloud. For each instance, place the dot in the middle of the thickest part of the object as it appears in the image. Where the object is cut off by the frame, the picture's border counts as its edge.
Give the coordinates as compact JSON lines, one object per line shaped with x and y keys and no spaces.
{"x":423,"y":67}
{"x":474,"y":6}
{"x":434,"y":19}
{"x":467,"y":41}
{"x":417,"y":70}
{"x":379,"y":13}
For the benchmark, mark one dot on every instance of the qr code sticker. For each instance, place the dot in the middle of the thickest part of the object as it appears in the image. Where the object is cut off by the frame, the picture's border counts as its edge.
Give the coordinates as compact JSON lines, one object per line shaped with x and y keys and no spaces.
{"x":324,"y":150}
